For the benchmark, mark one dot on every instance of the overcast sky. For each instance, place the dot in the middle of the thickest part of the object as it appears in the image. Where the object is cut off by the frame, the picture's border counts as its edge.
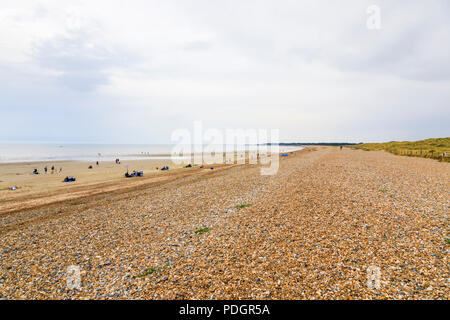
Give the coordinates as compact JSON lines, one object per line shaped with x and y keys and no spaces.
{"x":134,"y":71}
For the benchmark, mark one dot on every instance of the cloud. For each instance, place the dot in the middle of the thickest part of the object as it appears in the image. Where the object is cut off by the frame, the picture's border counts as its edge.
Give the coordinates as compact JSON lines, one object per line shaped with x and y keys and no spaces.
{"x":412,"y":50}
{"x":77,"y":56}
{"x":134,"y":73}
{"x":78,"y":64}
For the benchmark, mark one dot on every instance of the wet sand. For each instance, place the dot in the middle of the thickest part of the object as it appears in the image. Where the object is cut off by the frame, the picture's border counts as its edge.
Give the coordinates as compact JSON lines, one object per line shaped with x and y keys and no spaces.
{"x":44,"y":188}
{"x":47,"y":187}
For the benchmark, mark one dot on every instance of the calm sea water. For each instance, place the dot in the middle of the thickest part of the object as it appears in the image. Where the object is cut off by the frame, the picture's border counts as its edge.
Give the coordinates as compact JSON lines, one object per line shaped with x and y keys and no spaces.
{"x":26,"y":152}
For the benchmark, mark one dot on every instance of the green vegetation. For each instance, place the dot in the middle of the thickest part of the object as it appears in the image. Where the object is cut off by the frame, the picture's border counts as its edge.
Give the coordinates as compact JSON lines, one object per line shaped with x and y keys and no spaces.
{"x":447,"y":240}
{"x":436,"y":148}
{"x":383,"y":190}
{"x":151,"y":270}
{"x":243,"y":206}
{"x":202,"y":230}
{"x":313,"y":144}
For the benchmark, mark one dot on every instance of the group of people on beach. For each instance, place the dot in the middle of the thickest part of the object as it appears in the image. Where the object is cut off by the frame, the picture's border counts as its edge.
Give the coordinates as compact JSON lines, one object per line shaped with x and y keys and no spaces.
{"x":52,"y":170}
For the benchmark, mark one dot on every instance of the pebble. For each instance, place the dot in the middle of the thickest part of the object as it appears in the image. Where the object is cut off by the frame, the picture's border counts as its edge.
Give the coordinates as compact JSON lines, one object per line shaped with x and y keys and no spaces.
{"x":313,"y":231}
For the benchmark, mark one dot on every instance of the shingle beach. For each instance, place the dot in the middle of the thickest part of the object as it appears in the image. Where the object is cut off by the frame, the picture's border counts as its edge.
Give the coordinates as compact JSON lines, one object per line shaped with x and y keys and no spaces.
{"x":315,"y":230}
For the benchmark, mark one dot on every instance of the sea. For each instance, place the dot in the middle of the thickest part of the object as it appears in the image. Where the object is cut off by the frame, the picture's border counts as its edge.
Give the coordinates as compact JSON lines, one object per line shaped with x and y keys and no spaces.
{"x":31,"y":152}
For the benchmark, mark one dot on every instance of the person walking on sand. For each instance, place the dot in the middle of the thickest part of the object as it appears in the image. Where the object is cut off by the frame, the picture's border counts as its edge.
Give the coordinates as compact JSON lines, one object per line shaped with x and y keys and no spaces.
{"x":45,"y":169}
{"x":53,"y":169}
{"x":60,"y":169}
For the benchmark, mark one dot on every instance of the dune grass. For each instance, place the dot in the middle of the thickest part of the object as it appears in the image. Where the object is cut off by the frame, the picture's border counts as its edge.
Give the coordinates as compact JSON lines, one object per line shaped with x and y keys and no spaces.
{"x":202,"y":230}
{"x":435,"y":148}
{"x":150,"y":271}
{"x":243,"y":205}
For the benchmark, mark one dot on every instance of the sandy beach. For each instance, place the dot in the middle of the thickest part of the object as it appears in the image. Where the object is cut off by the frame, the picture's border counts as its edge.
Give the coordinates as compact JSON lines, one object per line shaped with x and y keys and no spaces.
{"x":34,"y":190}
{"x":312,"y":231}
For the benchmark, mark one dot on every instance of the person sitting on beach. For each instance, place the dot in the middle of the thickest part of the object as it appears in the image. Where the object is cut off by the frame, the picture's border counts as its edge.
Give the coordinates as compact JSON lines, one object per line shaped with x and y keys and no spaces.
{"x":35,"y":171}
{"x":128,"y":175}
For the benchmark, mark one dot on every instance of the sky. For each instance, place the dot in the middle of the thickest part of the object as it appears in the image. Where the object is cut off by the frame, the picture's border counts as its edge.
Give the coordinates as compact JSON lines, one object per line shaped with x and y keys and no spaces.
{"x":135,"y":71}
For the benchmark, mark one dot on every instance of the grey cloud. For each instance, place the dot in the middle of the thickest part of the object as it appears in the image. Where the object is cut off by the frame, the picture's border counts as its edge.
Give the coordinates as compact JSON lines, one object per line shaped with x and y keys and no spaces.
{"x":408,"y":55}
{"x":310,"y":68}
{"x":406,"y":46}
{"x":414,"y":43}
{"x":81,"y":62}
